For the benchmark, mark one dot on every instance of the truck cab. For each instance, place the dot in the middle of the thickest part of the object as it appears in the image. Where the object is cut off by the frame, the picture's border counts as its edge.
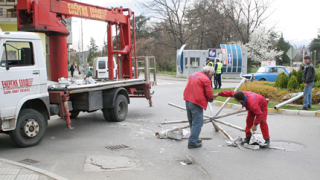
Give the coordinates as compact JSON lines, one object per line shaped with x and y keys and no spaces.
{"x":23,"y":90}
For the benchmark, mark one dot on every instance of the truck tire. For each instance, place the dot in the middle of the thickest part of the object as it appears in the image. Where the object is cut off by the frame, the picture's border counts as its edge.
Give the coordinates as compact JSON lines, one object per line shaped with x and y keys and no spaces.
{"x":107,"y":114}
{"x":30,"y":128}
{"x":74,"y":114}
{"x":120,"y":110}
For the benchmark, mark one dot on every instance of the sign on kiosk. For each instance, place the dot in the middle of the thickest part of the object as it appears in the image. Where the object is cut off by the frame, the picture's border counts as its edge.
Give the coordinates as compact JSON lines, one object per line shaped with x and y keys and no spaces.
{"x":212,"y":53}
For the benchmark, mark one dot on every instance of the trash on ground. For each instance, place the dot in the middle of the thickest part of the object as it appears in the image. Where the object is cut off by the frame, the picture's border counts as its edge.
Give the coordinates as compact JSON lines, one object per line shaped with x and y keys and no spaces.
{"x":177,"y":134}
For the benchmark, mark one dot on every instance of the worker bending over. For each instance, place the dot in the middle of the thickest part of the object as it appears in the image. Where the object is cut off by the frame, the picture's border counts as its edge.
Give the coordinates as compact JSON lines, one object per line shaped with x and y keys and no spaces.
{"x":197,"y":94}
{"x":257,"y":107}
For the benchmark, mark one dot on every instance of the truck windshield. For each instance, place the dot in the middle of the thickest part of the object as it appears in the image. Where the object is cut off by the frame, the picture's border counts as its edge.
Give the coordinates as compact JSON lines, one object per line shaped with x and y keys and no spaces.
{"x":263,"y":70}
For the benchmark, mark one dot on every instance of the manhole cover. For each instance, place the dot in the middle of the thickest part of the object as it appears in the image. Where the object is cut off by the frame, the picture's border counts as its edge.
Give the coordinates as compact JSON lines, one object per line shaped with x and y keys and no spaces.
{"x":28,"y":161}
{"x":118,"y":147}
{"x":288,"y":145}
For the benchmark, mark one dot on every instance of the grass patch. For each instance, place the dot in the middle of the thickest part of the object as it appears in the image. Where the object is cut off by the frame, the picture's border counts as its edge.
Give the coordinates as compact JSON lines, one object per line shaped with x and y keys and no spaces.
{"x":253,"y":69}
{"x":223,"y":99}
{"x":167,"y":73}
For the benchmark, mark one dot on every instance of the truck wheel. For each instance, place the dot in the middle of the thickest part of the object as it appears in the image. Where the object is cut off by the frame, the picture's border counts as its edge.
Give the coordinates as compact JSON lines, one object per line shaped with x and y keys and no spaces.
{"x":120,"y":110}
{"x":74,"y":114}
{"x":107,"y":114}
{"x":30,"y":129}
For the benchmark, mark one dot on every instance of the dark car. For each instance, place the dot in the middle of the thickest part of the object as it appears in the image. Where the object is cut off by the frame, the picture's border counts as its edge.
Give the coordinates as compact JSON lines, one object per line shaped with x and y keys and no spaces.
{"x":267,"y":73}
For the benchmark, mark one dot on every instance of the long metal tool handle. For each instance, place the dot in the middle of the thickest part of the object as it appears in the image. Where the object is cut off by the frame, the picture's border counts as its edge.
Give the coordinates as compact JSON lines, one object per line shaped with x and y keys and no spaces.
{"x":222,"y":116}
{"x":212,"y":119}
{"x":229,"y":114}
{"x":215,"y":126}
{"x":225,"y":103}
{"x":230,"y":125}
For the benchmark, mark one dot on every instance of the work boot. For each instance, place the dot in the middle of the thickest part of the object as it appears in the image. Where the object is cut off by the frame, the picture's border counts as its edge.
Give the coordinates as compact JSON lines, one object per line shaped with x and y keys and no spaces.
{"x":246,"y":140}
{"x":199,"y":141}
{"x":267,"y":143}
{"x":197,"y":145}
{"x":309,"y":106}
{"x":304,"y":108}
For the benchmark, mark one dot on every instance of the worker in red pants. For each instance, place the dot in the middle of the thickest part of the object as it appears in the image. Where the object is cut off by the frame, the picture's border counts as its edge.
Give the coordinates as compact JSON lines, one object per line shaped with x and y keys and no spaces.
{"x":257,"y":107}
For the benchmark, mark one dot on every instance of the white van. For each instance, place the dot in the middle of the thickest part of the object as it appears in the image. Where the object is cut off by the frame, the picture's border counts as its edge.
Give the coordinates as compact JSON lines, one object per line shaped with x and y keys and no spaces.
{"x":100,"y":68}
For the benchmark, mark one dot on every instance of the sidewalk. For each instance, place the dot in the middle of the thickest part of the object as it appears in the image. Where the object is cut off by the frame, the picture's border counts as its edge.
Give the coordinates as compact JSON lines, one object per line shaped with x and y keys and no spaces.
{"x":11,"y":170}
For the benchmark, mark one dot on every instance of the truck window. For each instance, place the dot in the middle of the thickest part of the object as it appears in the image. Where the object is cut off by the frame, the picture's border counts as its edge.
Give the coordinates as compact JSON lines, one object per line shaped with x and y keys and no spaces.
{"x":102,"y":64}
{"x":18,"y":54}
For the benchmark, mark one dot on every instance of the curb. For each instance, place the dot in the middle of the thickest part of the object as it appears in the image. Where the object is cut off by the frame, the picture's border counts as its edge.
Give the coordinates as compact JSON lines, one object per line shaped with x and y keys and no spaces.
{"x":271,"y":110}
{"x":35,"y":169}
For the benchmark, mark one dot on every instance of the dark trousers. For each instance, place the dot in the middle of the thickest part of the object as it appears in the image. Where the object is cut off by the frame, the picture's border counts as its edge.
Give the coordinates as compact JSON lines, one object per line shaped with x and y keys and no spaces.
{"x":195,"y":118}
{"x":71,"y":73}
{"x":217,"y":81}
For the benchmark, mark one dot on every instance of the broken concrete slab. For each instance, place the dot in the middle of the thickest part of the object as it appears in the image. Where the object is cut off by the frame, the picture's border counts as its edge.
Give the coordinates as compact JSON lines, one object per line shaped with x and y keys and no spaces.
{"x":111,"y":163}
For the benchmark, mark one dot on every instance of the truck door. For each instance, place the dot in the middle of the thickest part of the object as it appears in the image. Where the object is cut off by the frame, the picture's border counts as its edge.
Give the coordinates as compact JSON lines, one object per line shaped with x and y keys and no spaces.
{"x":19,"y":74}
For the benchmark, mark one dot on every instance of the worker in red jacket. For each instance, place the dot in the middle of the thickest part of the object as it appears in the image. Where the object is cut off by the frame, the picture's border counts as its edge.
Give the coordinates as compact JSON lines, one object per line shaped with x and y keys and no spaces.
{"x":257,"y":107}
{"x":197,"y":94}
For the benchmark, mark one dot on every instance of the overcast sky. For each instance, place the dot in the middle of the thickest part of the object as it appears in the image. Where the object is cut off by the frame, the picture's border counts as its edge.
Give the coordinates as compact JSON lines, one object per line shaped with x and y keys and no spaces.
{"x":298,"y":20}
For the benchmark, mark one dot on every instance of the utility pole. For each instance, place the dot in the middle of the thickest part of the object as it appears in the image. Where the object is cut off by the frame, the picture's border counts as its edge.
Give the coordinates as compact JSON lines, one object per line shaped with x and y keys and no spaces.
{"x":315,"y":58}
{"x":303,"y":51}
{"x":82,"y":41}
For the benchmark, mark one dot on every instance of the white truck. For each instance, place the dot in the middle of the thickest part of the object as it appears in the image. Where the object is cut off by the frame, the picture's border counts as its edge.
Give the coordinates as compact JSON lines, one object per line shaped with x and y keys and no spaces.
{"x":28,"y":99}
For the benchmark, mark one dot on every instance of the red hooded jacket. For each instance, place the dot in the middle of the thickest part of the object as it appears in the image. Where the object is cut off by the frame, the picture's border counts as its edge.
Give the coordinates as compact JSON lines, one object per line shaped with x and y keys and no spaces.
{"x":254,"y":103}
{"x":198,"y":89}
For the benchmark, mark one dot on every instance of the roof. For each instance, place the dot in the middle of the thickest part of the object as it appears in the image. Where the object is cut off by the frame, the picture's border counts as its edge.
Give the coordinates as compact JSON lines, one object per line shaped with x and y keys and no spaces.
{"x":273,"y":66}
{"x":19,"y":35}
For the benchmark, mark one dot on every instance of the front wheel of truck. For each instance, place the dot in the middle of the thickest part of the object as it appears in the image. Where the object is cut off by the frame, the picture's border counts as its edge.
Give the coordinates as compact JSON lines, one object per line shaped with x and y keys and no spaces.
{"x":30,"y":129}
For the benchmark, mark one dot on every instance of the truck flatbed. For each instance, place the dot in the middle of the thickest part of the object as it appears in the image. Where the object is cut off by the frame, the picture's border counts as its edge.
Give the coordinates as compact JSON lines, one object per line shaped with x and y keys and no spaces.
{"x":80,"y":88}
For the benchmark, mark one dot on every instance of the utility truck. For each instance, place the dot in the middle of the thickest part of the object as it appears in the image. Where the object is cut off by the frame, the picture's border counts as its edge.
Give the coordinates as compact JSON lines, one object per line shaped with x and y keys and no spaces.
{"x":28,"y":99}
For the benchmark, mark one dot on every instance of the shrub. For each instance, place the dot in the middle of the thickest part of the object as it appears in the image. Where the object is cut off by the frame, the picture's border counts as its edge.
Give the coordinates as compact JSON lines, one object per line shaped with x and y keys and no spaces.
{"x":293,"y":83}
{"x":293,"y":73}
{"x":315,"y":97}
{"x":282,"y":80}
{"x":317,"y":77}
{"x":299,"y":76}
{"x":317,"y":84}
{"x":301,"y":89}
{"x":266,"y":89}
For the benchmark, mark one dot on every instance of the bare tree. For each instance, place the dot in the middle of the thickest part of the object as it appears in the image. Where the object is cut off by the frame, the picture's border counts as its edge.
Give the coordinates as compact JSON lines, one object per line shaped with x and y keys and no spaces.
{"x":246,"y":15}
{"x":171,"y":14}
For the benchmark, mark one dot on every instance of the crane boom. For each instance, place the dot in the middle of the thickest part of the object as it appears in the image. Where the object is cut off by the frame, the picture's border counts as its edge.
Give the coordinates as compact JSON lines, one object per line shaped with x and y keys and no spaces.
{"x":48,"y":16}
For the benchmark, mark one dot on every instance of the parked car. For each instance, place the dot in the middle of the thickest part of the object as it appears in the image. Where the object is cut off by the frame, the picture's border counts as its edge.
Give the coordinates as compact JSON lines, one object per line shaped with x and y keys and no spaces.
{"x":267,"y":73}
{"x":90,"y":71}
{"x":133,"y":72}
{"x":101,"y":70}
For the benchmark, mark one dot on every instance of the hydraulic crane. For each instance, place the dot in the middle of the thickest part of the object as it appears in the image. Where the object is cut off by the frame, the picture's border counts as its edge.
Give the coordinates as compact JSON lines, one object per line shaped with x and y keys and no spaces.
{"x":48,"y":16}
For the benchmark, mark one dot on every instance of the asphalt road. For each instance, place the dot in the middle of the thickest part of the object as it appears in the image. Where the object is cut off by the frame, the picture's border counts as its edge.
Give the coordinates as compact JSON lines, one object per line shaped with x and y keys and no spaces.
{"x":81,"y":153}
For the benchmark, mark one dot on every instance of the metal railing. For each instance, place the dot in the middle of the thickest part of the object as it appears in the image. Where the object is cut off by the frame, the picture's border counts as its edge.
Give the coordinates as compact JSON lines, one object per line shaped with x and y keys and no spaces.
{"x":147,"y":63}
